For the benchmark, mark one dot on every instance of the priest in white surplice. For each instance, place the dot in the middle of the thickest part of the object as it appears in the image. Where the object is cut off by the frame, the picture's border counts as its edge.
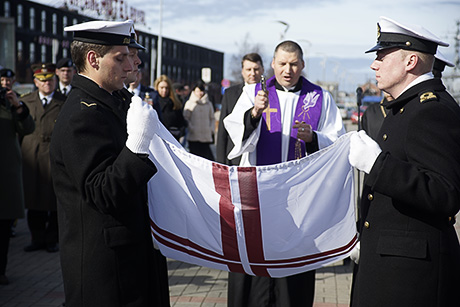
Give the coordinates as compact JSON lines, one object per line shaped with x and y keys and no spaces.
{"x":291,"y":119}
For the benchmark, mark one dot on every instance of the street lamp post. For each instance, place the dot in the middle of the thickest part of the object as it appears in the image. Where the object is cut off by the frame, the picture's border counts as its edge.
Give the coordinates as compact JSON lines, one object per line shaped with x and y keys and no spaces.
{"x":160,"y":42}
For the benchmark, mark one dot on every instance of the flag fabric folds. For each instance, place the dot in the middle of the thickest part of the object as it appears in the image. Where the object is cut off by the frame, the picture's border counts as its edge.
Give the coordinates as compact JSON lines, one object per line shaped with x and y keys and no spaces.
{"x":275,"y":220}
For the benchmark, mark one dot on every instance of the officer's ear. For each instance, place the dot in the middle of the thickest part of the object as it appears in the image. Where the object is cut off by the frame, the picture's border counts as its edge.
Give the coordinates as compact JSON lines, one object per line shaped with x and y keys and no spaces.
{"x":93,"y":59}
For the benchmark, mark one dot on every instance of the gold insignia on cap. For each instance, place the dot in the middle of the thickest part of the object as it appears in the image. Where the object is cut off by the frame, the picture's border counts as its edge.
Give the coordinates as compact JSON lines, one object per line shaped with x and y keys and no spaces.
{"x":378,"y":31}
{"x":126,"y":41}
{"x":428,"y":96}
{"x":88,"y":104}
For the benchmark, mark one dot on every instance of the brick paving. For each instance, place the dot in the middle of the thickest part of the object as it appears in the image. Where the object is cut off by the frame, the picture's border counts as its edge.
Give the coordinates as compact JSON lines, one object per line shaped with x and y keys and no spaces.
{"x":35,"y":280}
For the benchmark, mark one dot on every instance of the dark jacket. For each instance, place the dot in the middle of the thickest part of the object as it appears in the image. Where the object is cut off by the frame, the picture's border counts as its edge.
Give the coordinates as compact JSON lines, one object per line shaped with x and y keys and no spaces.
{"x":12,"y":126}
{"x":107,"y":255}
{"x":38,"y":187}
{"x":410,"y":253}
{"x":224,"y":143}
{"x":172,"y":119}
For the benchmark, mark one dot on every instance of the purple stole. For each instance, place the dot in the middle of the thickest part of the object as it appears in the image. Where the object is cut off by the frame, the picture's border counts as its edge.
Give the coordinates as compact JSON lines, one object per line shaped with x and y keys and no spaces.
{"x":308,"y":110}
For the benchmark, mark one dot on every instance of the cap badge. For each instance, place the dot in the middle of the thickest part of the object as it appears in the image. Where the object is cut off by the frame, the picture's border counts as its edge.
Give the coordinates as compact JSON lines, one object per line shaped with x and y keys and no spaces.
{"x":126,"y":41}
{"x":378,"y":31}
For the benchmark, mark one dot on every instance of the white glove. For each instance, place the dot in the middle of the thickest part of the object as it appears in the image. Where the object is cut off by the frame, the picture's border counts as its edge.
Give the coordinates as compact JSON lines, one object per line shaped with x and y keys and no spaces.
{"x":354,"y":255}
{"x":363,"y":151}
{"x":141,"y":123}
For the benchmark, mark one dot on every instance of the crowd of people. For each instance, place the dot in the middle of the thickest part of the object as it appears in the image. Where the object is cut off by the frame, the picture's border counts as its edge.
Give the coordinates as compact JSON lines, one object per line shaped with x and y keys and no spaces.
{"x":77,"y":147}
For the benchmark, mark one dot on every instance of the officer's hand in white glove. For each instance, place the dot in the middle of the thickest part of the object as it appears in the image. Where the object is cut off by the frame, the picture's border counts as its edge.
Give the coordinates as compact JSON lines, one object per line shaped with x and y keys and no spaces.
{"x":363,"y":151}
{"x":142,"y":123}
{"x":354,"y":255}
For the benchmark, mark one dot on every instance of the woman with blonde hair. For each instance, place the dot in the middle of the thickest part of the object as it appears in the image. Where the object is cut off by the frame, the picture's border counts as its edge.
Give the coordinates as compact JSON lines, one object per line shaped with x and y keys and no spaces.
{"x":170,"y":106}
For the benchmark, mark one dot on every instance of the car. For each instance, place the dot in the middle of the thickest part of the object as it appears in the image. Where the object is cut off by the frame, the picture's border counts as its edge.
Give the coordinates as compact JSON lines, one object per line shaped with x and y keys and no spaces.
{"x":354,"y":116}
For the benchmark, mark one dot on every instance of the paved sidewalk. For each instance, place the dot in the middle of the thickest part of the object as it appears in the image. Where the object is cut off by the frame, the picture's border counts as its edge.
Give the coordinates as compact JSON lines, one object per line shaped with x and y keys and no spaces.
{"x":35,"y":280}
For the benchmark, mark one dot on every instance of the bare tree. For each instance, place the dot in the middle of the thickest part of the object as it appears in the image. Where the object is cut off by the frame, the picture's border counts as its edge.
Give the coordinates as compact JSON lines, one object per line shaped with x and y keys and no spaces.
{"x":244,"y":47}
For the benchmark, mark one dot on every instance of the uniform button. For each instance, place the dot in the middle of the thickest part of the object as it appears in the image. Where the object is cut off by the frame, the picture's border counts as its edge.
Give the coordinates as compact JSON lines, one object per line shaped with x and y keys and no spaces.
{"x":401,"y":110}
{"x":385,"y":137}
{"x":367,"y":225}
{"x":370,"y":196}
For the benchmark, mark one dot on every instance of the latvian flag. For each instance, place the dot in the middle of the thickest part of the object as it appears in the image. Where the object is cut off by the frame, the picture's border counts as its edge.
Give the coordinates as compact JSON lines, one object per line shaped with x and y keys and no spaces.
{"x":275,"y":220}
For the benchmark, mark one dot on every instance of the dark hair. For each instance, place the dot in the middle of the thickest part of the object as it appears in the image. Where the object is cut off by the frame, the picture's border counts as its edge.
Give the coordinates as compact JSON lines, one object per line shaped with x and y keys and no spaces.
{"x":199,"y":84}
{"x":289,"y":46}
{"x":252,"y":57}
{"x":79,"y":50}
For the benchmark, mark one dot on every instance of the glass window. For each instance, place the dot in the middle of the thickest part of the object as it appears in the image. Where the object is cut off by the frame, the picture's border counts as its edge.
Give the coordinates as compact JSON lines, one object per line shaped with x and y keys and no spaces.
{"x":64,"y":24}
{"x":64,"y":53}
{"x":20,"y":16}
{"x":32,"y":18}
{"x":43,"y":21}
{"x":54,"y":24}
{"x":32,"y":52}
{"x":20,"y":51}
{"x":7,"y":9}
{"x":43,"y":53}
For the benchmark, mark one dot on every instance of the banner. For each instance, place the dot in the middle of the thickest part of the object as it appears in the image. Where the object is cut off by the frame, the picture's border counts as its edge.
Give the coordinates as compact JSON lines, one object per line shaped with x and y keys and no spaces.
{"x":275,"y":220}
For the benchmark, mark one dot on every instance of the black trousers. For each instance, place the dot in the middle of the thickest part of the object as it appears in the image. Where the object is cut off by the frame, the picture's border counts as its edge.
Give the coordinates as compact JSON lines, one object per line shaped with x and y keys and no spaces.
{"x":5,"y":232}
{"x":258,"y":291}
{"x":43,"y":226}
{"x":201,"y":149}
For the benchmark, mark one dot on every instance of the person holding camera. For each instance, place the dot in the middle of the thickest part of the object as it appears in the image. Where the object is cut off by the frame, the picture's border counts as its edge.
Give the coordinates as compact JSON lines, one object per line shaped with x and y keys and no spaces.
{"x":15,"y":122}
{"x":45,"y":103}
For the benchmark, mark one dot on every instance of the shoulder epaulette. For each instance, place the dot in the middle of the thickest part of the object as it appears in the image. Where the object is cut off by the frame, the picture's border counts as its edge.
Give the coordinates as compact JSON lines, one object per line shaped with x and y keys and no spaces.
{"x":428,"y":96}
{"x":85,"y":104}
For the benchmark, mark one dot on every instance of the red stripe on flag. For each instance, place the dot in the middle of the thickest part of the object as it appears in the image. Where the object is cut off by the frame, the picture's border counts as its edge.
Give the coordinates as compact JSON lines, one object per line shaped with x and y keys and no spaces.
{"x":211,"y":256}
{"x":227,"y":216}
{"x":250,"y":208}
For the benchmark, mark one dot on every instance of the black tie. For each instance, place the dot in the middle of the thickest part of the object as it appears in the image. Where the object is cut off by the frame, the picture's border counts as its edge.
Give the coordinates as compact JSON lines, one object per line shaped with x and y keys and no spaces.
{"x":64,"y":91}
{"x":45,"y":101}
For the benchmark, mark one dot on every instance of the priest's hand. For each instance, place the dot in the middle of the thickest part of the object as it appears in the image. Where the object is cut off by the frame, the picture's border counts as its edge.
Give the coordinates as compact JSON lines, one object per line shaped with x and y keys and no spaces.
{"x":260,"y":104}
{"x":304,"y":131}
{"x":363,"y":151}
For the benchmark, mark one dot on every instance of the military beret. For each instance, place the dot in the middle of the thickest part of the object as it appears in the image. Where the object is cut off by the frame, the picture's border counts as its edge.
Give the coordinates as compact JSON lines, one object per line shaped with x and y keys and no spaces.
{"x":6,"y":72}
{"x":64,"y":62}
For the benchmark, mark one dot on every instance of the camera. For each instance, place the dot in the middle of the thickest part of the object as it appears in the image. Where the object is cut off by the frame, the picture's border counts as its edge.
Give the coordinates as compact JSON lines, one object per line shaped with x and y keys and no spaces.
{"x":3,"y":99}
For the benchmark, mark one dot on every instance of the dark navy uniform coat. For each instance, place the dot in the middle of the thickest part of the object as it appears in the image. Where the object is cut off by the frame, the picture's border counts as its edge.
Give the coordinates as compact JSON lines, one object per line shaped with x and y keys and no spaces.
{"x":107,"y":255}
{"x":410,"y":254}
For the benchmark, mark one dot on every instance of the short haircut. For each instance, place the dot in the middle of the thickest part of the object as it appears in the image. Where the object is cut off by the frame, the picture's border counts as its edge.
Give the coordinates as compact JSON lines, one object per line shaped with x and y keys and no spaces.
{"x":252,"y":57}
{"x":79,"y":50}
{"x":289,"y":46}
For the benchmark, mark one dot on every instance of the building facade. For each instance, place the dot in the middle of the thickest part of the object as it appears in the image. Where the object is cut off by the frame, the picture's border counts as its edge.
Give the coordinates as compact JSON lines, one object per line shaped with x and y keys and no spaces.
{"x":39,"y":36}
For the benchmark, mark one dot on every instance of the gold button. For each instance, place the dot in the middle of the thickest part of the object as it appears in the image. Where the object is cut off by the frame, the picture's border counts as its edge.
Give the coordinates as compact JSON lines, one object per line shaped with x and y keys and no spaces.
{"x":385,"y":137}
{"x":408,"y":44}
{"x":401,"y":110}
{"x":367,"y":225}
{"x":370,"y":196}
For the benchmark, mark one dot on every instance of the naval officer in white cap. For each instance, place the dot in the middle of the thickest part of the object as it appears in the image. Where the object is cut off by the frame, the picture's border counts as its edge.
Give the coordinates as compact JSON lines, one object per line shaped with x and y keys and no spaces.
{"x":100,"y":169}
{"x":410,"y":253}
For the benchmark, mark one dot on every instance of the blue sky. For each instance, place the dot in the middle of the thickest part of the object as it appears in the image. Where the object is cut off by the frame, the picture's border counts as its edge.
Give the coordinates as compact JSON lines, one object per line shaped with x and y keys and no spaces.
{"x":337,"y":31}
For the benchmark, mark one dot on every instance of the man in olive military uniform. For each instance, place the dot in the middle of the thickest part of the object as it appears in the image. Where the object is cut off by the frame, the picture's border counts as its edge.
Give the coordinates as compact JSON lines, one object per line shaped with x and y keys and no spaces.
{"x":410,"y":253}
{"x":100,"y":167}
{"x":40,"y":200}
